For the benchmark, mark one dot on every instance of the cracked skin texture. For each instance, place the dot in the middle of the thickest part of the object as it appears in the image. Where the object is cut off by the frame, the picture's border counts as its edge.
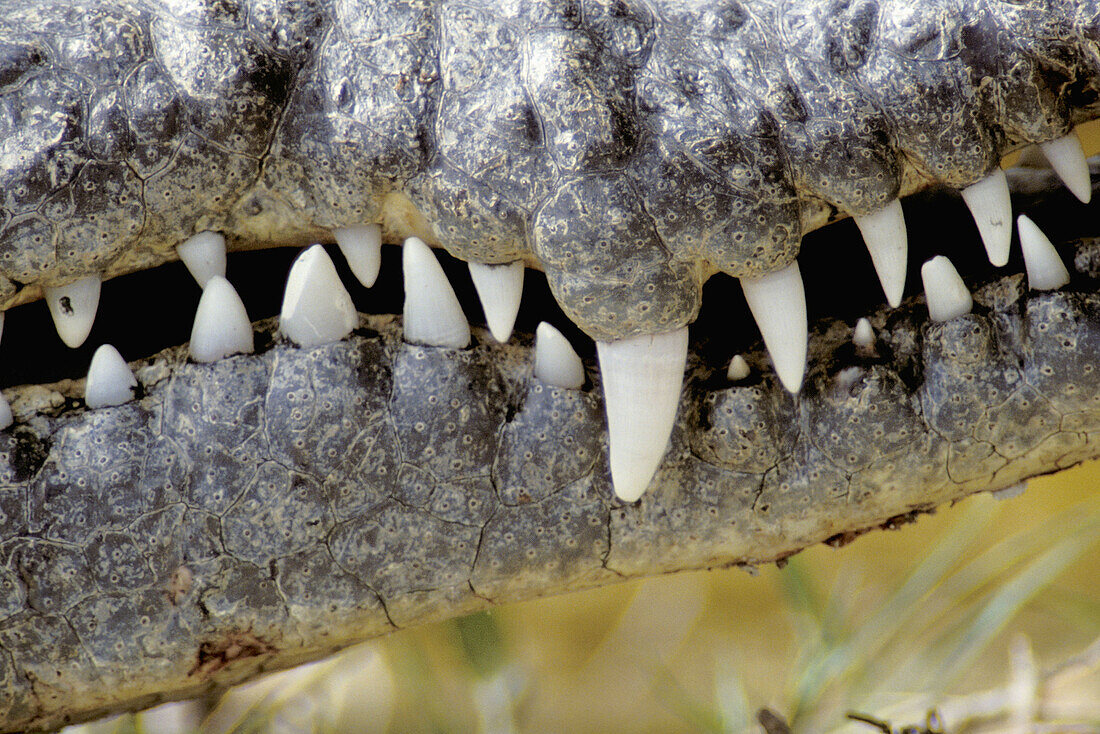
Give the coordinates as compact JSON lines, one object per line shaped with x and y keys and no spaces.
{"x":262,"y":511}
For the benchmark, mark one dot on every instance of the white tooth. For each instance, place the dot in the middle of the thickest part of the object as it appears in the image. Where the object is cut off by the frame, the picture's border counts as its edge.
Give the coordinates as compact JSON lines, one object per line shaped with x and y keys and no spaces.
{"x":221,"y":323}
{"x":6,"y":418}
{"x":1045,"y":270}
{"x":778,"y":303}
{"x":317,"y":309}
{"x":738,"y":369}
{"x":204,"y":256}
{"x":433,"y":315}
{"x":863,"y":336}
{"x":944,"y":290}
{"x":499,"y":287}
{"x":361,"y":246}
{"x":642,"y":377}
{"x":1068,"y":161}
{"x":556,"y":363}
{"x":73,"y":308}
{"x":884,"y":233}
{"x":110,"y":381}
{"x":991,"y":207}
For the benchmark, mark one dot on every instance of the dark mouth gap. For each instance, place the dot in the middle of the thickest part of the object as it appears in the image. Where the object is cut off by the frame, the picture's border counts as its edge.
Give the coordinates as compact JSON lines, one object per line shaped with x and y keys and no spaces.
{"x":144,"y":313}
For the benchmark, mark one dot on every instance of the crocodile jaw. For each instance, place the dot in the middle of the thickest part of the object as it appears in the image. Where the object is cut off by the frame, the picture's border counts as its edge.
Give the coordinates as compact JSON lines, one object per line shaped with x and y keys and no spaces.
{"x":178,"y":532}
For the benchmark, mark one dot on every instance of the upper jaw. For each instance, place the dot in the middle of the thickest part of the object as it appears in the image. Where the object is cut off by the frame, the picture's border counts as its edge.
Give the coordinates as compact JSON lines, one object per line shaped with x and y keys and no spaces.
{"x":631,"y":157}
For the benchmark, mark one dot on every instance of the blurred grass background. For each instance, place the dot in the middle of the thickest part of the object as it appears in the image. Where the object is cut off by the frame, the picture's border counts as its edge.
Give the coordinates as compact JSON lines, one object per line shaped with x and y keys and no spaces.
{"x":890,"y":625}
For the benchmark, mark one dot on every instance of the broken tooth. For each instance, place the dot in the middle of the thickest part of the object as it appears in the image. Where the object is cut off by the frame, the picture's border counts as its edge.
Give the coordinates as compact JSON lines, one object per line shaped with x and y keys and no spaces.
{"x":73,"y":308}
{"x":204,"y":256}
{"x":944,"y":290}
{"x":778,"y":303}
{"x":1068,"y":161}
{"x":1045,"y":269}
{"x":738,"y":369}
{"x":884,"y":233}
{"x":642,"y":377}
{"x":361,"y":246}
{"x":556,"y":362}
{"x":863,"y":336}
{"x":991,"y":207}
{"x":500,"y":288}
{"x":317,"y":308}
{"x":221,"y":325}
{"x":433,"y":315}
{"x":110,"y":380}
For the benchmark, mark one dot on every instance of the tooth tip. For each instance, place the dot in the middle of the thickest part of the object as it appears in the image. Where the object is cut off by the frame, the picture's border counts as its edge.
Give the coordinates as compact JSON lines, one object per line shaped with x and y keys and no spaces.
{"x":361,"y":245}
{"x":1044,"y":266}
{"x":863,"y":336}
{"x":1067,"y":158}
{"x":110,"y":380}
{"x":204,"y":255}
{"x":628,"y":482}
{"x":778,"y":304}
{"x":945,"y":292}
{"x":500,"y":290}
{"x":432,"y":313}
{"x":317,"y":309}
{"x":73,"y":308}
{"x":884,"y":233}
{"x":738,"y":369}
{"x":990,"y":204}
{"x":556,"y":362}
{"x":221,"y":327}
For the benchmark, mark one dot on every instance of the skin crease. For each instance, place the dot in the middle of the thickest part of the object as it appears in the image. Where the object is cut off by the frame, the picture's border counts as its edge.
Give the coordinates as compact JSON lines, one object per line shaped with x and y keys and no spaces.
{"x":264,"y":510}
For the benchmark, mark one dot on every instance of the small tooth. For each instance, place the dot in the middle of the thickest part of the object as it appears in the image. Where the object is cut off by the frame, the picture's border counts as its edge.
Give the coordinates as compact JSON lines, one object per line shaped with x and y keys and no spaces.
{"x":944,"y":290}
{"x":863,"y":336}
{"x":221,"y":323}
{"x":500,"y":288}
{"x":1045,"y":270}
{"x":884,"y":233}
{"x":73,"y":308}
{"x":778,"y":303}
{"x":6,"y":418}
{"x":433,"y":315}
{"x":110,"y":381}
{"x":738,"y":369}
{"x":317,"y":309}
{"x":642,"y":377}
{"x":1,"y":323}
{"x":991,"y":207}
{"x":556,"y":363}
{"x":361,"y":246}
{"x":1068,"y":161}
{"x":204,"y":256}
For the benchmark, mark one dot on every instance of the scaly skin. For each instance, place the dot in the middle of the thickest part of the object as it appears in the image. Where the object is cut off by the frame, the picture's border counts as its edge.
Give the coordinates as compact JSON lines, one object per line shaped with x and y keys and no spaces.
{"x":249,"y":515}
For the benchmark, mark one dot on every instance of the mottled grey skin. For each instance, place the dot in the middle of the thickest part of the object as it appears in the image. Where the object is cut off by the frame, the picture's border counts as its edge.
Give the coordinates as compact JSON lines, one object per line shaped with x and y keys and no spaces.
{"x":630,"y":149}
{"x":262,"y":511}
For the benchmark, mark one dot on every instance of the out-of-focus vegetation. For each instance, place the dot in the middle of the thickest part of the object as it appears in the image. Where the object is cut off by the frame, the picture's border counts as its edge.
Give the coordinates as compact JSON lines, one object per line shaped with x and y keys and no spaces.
{"x":892,"y":625}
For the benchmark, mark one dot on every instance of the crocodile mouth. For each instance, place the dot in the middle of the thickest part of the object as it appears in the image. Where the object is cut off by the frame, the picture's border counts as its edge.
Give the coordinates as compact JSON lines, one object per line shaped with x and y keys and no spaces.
{"x":273,"y":490}
{"x":149,"y":311}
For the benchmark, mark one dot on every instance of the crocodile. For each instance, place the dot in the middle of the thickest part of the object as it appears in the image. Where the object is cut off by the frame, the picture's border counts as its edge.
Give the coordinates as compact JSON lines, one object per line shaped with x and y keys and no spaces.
{"x":250,"y":513}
